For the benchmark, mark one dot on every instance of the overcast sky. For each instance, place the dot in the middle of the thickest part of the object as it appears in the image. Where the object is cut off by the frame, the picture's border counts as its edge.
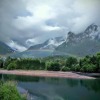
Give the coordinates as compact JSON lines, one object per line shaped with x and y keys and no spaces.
{"x":27,"y":22}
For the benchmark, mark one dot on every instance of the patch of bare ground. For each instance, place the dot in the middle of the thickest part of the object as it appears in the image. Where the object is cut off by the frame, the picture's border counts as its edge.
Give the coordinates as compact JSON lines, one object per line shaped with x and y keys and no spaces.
{"x":58,"y":74}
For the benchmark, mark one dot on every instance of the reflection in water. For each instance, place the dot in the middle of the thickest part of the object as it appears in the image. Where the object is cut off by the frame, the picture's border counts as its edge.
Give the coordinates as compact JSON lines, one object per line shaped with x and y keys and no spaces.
{"x":72,"y":82}
{"x":41,"y":88}
{"x":91,"y":84}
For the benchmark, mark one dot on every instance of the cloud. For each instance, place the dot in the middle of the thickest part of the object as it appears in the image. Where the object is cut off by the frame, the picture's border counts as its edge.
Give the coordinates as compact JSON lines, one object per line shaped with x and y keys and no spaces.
{"x":27,"y":22}
{"x":51,"y":28}
{"x":80,"y":23}
{"x":32,"y":41}
{"x":23,"y":22}
{"x":41,"y":13}
{"x":16,"y":46}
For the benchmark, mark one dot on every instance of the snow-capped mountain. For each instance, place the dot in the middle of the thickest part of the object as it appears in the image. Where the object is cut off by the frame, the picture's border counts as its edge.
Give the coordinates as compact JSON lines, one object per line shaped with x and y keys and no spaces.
{"x":91,"y":32}
{"x":50,"y":44}
{"x":85,"y":43}
{"x":82,"y":44}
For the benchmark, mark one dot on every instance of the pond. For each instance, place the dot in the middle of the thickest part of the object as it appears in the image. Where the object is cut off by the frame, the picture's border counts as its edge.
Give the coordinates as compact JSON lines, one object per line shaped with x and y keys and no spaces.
{"x":41,"y":88}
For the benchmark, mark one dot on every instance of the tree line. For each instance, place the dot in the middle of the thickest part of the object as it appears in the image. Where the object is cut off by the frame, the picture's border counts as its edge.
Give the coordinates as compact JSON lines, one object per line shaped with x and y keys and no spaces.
{"x":86,"y":64}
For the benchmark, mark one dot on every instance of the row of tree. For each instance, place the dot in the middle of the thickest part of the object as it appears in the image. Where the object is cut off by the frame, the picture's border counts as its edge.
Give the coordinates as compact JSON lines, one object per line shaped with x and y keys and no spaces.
{"x":86,"y":64}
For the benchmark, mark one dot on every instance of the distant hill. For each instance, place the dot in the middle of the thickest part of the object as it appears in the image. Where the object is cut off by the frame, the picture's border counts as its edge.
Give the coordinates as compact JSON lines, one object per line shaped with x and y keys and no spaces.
{"x":33,"y":54}
{"x":5,"y":49}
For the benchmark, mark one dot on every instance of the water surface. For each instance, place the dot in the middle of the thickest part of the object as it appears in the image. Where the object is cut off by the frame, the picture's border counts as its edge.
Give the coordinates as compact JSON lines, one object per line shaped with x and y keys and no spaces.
{"x":41,"y":88}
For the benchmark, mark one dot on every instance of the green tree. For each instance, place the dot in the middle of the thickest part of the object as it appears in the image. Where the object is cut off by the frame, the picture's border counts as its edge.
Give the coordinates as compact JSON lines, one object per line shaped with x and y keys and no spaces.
{"x":65,"y":69}
{"x":88,"y":68}
{"x":53,"y":66}
{"x":42,"y":65}
{"x":98,"y":61}
{"x":1,"y":63}
{"x":71,"y":62}
{"x":12,"y":66}
{"x":7,"y":62}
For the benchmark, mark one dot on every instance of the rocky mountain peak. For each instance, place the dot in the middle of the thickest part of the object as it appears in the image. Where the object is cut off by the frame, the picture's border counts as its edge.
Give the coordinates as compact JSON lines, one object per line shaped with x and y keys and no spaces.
{"x":92,"y":28}
{"x":92,"y":31}
{"x":71,"y":35}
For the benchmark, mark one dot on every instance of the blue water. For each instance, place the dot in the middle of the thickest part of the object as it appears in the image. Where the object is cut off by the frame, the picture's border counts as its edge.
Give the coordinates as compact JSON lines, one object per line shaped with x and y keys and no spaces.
{"x":41,"y":88}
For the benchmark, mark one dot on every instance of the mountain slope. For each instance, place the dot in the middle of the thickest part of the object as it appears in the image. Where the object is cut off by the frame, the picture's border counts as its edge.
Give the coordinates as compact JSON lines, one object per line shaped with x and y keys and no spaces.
{"x":50,"y":44}
{"x":5,"y":49}
{"x":33,"y":54}
{"x":85,"y":43}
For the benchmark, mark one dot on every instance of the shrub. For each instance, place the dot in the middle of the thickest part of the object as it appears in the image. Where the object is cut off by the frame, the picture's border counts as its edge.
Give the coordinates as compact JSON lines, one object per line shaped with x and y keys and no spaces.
{"x":91,"y":68}
{"x":53,"y":66}
{"x":88,"y":68}
{"x":12,"y":66}
{"x":8,"y":91}
{"x":75,"y":68}
{"x":65,"y":69}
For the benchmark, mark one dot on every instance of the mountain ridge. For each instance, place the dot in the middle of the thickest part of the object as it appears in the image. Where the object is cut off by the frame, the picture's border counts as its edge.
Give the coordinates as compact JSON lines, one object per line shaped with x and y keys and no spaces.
{"x":84,"y":43}
{"x":50,"y":44}
{"x":5,"y":49}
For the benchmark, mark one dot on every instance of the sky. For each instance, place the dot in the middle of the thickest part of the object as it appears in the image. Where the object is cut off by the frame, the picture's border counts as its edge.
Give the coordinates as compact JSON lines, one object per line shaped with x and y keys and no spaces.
{"x":24,"y":23}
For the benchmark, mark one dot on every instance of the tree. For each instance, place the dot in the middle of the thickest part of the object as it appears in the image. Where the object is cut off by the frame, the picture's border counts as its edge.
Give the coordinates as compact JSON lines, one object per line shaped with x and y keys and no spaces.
{"x":53,"y":66}
{"x":42,"y":67}
{"x":7,"y":62}
{"x":88,"y":68}
{"x":12,"y":66}
{"x":93,"y":60}
{"x":76,"y":68}
{"x":1,"y":63}
{"x":80,"y":63}
{"x":98,"y":61}
{"x":71,"y":61}
{"x":65,"y":69}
